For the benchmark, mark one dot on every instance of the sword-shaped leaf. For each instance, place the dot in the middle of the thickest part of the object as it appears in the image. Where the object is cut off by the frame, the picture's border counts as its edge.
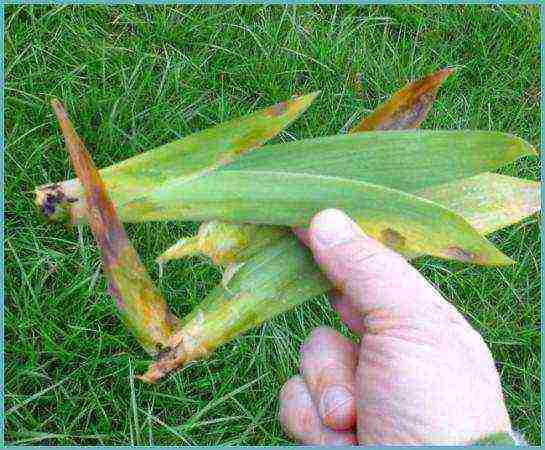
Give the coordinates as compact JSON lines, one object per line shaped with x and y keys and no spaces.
{"x":403,"y":160}
{"x":404,"y":222}
{"x":488,"y":202}
{"x":276,"y":279}
{"x":141,"y":306}
{"x":230,"y":308}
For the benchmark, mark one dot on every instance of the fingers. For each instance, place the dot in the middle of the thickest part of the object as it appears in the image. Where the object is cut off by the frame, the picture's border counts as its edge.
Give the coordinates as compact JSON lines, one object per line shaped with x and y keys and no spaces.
{"x":328,"y":365}
{"x":300,"y":419}
{"x":344,"y":306}
{"x":378,"y":285}
{"x":320,"y":406}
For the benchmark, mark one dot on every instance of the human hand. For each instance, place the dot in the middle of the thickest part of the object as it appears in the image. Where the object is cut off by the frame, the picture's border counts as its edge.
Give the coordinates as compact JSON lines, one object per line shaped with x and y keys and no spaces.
{"x":420,"y":374}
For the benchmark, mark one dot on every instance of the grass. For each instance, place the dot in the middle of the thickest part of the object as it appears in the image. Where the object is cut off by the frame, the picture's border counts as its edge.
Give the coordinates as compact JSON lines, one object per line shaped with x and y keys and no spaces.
{"x":136,"y":77}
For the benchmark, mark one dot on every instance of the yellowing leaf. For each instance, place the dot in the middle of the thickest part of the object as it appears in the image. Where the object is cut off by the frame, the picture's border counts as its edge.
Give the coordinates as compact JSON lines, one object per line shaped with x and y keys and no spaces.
{"x":405,"y":222}
{"x":192,"y":156}
{"x":141,"y":306}
{"x":407,"y":108}
{"x":488,"y":201}
{"x":225,"y":243}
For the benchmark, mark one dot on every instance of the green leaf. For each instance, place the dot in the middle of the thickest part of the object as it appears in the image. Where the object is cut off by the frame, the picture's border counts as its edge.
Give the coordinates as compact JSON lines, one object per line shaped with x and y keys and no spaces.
{"x":403,"y":221}
{"x":279,"y":277}
{"x":230,"y":243}
{"x":403,"y":160}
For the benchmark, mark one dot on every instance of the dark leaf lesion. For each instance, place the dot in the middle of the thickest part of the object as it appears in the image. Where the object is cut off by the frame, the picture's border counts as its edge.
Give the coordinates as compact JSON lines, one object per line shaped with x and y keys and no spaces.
{"x":139,"y":303}
{"x":460,"y":254}
{"x":52,"y":200}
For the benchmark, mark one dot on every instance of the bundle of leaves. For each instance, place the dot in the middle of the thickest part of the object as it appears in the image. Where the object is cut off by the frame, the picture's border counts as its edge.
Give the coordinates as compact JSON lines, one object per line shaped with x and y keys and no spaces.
{"x":420,"y":192}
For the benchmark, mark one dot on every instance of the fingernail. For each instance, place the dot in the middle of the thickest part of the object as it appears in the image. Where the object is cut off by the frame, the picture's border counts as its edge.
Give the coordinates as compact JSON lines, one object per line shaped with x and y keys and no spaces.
{"x":333,"y":227}
{"x":333,"y":398}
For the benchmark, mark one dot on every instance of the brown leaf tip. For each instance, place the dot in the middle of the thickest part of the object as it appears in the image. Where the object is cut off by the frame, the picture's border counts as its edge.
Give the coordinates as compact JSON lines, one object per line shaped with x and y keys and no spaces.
{"x":58,"y":107}
{"x":429,"y":85}
{"x":445,"y":72}
{"x":276,"y":110}
{"x":438,"y":77}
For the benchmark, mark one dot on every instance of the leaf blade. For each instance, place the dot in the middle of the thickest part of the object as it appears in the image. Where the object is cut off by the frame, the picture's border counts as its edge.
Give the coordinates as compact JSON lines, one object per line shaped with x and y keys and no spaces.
{"x":184,"y":159}
{"x":141,"y":306}
{"x":488,"y":201}
{"x":225,"y":243}
{"x":407,"y":108}
{"x":403,"y":160}
{"x":403,"y":221}
{"x":277,"y":278}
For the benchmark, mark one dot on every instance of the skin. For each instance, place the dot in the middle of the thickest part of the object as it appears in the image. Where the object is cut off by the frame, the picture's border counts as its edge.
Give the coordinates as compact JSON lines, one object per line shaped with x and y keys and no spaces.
{"x":420,"y":373}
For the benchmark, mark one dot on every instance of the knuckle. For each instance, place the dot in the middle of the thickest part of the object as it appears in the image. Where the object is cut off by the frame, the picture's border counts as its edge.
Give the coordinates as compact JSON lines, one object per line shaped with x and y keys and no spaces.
{"x":320,"y":333}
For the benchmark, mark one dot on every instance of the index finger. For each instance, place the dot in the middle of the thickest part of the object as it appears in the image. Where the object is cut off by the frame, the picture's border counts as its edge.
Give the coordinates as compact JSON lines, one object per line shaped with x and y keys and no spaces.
{"x":378,"y":286}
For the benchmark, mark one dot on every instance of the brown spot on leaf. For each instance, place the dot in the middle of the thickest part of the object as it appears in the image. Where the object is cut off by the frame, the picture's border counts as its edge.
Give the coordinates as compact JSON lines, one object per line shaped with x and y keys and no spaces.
{"x":276,"y":110}
{"x":113,"y":291}
{"x":392,"y":238}
{"x":410,"y":116}
{"x":460,"y":254}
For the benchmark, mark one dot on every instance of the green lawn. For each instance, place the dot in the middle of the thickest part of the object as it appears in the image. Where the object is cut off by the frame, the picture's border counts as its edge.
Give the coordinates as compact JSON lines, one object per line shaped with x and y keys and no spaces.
{"x":133,"y":78}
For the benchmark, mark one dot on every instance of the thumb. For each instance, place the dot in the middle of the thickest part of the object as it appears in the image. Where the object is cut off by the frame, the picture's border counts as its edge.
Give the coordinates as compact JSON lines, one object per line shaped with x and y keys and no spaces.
{"x":374,"y":282}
